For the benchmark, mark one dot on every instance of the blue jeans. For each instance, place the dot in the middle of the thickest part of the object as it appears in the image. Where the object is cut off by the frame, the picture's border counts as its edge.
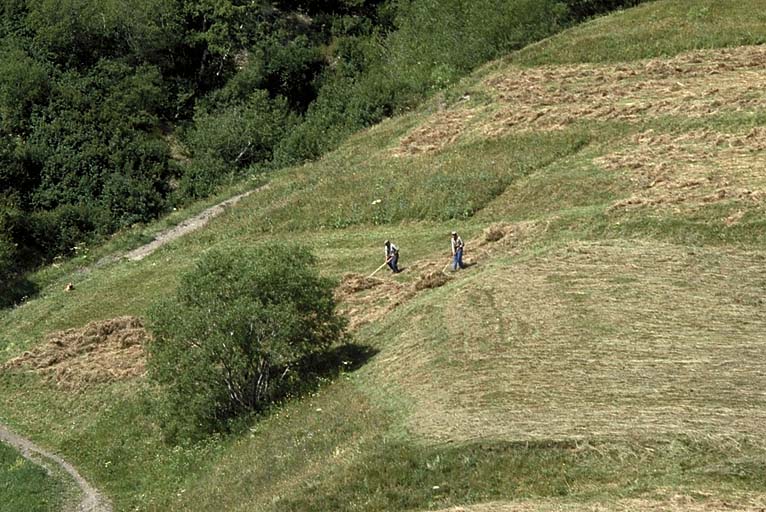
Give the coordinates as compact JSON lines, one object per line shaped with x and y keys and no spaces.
{"x":457,"y":261}
{"x":392,"y":264}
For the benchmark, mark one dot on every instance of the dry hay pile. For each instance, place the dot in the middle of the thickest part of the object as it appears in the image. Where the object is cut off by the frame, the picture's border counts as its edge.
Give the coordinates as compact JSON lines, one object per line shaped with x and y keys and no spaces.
{"x":431,"y":280}
{"x":100,"y":352}
{"x":441,"y":130}
{"x":363,"y":299}
{"x":698,"y":167}
{"x":354,"y":283}
{"x":694,"y":84}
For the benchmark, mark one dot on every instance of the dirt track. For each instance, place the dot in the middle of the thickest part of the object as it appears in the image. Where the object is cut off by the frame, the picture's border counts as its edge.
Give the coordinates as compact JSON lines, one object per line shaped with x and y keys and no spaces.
{"x":186,"y":226}
{"x":92,"y":500}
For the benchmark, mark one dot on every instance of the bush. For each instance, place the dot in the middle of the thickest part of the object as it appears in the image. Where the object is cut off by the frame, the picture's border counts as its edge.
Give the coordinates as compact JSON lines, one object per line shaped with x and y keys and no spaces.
{"x":234,"y":335}
{"x":583,"y":9}
{"x":436,"y":42}
{"x":13,"y":258}
{"x":7,"y":259}
{"x":59,"y":231}
{"x":244,"y":134}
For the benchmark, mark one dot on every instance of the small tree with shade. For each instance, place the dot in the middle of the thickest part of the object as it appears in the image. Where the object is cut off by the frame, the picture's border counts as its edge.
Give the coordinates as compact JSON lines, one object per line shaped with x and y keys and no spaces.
{"x":232,"y":336}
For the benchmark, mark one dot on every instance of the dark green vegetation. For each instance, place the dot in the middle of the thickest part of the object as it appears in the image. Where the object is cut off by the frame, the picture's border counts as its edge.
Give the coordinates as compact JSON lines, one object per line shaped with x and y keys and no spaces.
{"x":24,"y":486}
{"x":604,"y":353}
{"x":111,"y":112}
{"x":240,"y":334}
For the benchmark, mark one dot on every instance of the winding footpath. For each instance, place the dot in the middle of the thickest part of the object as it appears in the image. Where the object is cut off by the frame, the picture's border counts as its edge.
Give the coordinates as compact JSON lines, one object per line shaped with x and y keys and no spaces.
{"x":92,"y":500}
{"x":187,"y":226}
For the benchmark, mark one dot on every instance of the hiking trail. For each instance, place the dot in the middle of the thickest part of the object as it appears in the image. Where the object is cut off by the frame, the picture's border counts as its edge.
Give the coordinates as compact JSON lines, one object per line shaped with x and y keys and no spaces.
{"x":187,"y":226}
{"x":92,"y":500}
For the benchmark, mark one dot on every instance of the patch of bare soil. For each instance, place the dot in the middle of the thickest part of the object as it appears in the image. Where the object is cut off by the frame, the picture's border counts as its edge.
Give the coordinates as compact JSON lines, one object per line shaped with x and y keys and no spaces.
{"x":100,"y":352}
{"x":692,"y":85}
{"x":698,"y":167}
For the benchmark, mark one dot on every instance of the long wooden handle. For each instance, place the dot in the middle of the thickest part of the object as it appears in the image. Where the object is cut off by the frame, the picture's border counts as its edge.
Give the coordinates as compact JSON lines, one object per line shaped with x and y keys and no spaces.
{"x":380,"y":267}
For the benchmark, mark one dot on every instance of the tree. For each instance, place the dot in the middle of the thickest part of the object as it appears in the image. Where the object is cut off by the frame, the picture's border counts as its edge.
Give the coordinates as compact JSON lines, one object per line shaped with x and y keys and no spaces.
{"x":231,"y":339}
{"x":583,"y":9}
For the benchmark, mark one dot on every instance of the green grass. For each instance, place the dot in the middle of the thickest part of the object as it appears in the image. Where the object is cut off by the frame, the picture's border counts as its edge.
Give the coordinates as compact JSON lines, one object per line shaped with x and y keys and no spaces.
{"x":595,"y":354}
{"x":654,"y":29}
{"x":360,"y":187}
{"x":26,"y":487}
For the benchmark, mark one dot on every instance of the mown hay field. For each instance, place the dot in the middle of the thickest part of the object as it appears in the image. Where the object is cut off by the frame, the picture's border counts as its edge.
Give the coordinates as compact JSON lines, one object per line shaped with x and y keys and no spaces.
{"x":592,"y":340}
{"x":603,"y":350}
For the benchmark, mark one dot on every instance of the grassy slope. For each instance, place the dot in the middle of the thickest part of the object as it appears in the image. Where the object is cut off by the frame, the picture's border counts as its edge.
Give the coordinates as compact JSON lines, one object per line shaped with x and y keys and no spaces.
{"x":603,"y":351}
{"x":650,"y":30}
{"x":25,"y":487}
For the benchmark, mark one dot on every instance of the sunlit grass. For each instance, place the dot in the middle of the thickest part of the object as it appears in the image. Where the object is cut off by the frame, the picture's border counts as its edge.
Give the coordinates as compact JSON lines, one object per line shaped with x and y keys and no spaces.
{"x":593,"y":354}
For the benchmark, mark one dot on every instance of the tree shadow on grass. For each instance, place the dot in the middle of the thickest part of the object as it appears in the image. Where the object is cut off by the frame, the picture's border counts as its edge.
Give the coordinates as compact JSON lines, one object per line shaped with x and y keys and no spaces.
{"x":308,"y":373}
{"x":15,"y":291}
{"x":305,"y":376}
{"x":329,"y":364}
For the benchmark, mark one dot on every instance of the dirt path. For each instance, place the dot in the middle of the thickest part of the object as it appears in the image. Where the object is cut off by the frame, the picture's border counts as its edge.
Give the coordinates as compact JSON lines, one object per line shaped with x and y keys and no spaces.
{"x":92,"y":500}
{"x":187,"y":226}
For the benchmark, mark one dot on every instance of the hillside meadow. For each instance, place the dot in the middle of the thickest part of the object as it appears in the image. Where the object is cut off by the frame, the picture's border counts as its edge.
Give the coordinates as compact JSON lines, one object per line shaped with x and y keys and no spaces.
{"x":602,"y":351}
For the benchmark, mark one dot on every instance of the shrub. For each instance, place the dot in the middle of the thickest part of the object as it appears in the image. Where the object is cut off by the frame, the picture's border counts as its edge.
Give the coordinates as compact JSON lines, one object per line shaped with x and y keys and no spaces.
{"x":241,"y":135}
{"x":7,"y":259}
{"x":13,"y":258}
{"x":436,"y":42}
{"x":201,"y":176}
{"x":583,"y":9}
{"x":58,"y":231}
{"x":23,"y":84}
{"x":235,"y":334}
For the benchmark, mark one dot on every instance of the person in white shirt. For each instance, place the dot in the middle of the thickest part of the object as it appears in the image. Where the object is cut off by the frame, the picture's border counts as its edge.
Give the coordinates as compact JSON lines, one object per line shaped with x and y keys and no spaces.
{"x":392,"y":256}
{"x":457,"y":251}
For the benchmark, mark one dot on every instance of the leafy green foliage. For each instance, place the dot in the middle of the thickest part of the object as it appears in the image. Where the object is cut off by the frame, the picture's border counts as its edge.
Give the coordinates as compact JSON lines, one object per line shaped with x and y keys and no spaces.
{"x":436,"y":43}
{"x":7,"y":258}
{"x":92,"y":92}
{"x":234,"y":138}
{"x":231,"y":339}
{"x":93,"y":152}
{"x":13,"y":258}
{"x":23,"y":84}
{"x":582,"y":9}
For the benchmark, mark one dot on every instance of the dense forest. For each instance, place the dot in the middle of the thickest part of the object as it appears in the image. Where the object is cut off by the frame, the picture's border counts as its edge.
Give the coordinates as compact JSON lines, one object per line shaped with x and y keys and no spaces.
{"x":114,"y":111}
